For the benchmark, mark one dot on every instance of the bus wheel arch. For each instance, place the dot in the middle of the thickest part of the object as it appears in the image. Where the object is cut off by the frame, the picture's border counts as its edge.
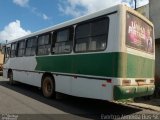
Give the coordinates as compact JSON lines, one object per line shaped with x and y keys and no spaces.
{"x":48,"y":85}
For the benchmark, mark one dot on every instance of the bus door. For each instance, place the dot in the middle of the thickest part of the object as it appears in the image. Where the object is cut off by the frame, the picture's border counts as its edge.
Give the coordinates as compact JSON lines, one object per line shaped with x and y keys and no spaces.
{"x":6,"y":52}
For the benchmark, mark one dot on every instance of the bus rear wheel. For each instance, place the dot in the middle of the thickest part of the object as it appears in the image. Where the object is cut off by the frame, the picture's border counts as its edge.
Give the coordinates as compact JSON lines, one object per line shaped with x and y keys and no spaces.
{"x":48,"y":87}
{"x":10,"y":76}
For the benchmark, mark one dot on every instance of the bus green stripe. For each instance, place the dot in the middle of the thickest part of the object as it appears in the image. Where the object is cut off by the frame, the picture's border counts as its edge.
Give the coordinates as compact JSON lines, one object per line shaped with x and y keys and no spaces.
{"x":99,"y":64}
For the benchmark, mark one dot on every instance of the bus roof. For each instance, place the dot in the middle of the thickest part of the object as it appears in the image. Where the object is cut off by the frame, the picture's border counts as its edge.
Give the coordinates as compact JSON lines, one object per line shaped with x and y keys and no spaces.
{"x":112,"y":9}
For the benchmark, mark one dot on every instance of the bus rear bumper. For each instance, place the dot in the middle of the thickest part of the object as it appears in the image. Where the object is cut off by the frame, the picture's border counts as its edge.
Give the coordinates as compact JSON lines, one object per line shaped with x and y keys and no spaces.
{"x":125,"y":92}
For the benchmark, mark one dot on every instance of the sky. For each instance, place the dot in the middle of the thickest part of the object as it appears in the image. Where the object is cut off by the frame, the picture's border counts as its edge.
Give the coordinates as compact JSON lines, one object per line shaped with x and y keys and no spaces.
{"x":22,"y":17}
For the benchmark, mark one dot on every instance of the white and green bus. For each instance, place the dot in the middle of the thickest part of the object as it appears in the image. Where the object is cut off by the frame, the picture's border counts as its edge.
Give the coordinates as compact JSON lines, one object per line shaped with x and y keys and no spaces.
{"x":107,"y":55}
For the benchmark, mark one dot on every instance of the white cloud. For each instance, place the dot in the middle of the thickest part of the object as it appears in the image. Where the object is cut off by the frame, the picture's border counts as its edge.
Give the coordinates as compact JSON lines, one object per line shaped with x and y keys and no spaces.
{"x":142,"y":2}
{"x":39,"y":14}
{"x":80,"y":7}
{"x":77,"y":8}
{"x":70,"y":10}
{"x":22,"y":3}
{"x":34,"y":10}
{"x":45,"y":17}
{"x":131,"y":3}
{"x":12,"y":31}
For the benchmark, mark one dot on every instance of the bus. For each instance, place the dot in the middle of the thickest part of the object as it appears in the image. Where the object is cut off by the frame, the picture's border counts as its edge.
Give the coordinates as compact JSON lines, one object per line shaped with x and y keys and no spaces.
{"x":106,"y":55}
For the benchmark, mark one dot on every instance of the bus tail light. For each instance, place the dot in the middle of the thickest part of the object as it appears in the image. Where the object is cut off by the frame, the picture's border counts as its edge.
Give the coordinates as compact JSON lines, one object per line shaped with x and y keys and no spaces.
{"x":109,"y":80}
{"x":152,"y":81}
{"x":141,"y":82}
{"x":126,"y":82}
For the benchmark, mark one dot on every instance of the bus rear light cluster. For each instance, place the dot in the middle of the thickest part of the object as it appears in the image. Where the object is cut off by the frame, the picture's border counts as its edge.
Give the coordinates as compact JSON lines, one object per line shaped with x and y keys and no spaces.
{"x":141,"y":82}
{"x":152,"y":81}
{"x":109,"y":81}
{"x":126,"y":82}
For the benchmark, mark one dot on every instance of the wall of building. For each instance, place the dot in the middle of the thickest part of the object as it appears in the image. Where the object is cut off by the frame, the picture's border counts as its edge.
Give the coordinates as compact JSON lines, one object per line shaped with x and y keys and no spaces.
{"x":157,"y":62}
{"x":144,"y":10}
{"x":154,"y":13}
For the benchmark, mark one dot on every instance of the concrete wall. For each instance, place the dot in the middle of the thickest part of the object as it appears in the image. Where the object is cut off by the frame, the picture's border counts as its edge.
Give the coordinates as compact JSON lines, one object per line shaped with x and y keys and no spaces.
{"x":157,"y":62}
{"x":154,"y":13}
{"x":144,"y":10}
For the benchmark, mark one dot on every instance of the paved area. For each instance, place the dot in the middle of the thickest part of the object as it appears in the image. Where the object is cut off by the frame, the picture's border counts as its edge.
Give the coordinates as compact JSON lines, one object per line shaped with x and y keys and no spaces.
{"x":27,"y":102}
{"x":152,"y":104}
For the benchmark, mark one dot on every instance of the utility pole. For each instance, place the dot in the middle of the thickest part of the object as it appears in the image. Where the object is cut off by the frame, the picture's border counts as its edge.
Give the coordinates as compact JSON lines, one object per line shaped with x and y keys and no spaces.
{"x":135,"y":1}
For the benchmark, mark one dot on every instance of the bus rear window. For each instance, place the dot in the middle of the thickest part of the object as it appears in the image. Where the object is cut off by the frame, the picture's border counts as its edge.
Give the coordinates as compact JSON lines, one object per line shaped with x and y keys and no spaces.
{"x":139,"y":34}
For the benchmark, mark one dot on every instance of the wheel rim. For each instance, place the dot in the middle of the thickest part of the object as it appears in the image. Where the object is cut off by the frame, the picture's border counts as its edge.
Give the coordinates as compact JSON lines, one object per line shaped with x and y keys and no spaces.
{"x":47,"y":87}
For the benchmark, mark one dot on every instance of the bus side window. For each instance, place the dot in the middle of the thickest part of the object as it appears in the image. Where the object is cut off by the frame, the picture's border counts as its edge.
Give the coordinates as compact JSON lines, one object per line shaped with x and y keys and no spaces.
{"x":13,"y":50}
{"x":64,"y":41}
{"x":92,"y":35}
{"x":44,"y":44}
{"x":21,"y":48}
{"x":31,"y":45}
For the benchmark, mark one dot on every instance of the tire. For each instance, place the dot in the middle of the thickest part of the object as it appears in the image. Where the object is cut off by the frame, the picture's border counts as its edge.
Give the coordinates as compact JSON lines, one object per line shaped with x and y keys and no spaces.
{"x":48,"y":87}
{"x":10,"y":76}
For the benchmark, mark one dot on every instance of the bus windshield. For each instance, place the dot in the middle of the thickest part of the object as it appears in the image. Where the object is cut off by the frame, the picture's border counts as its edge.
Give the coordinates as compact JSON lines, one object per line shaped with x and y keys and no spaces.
{"x":139,"y":34}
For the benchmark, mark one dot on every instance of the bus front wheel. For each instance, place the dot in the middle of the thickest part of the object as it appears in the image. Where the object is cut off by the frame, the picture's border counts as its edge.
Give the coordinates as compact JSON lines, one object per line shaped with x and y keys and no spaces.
{"x":48,"y":87}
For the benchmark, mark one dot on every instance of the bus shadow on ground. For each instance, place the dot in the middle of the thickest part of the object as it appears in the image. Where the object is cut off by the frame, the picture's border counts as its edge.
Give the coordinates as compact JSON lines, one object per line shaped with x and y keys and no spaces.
{"x":83,"y":107}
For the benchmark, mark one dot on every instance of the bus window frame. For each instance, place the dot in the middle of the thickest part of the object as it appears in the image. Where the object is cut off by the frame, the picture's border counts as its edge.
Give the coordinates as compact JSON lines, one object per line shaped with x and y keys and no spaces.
{"x":31,"y":46}
{"x":89,"y":21}
{"x":71,"y":39}
{"x":21,"y":48}
{"x":15,"y":54}
{"x":50,"y":42}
